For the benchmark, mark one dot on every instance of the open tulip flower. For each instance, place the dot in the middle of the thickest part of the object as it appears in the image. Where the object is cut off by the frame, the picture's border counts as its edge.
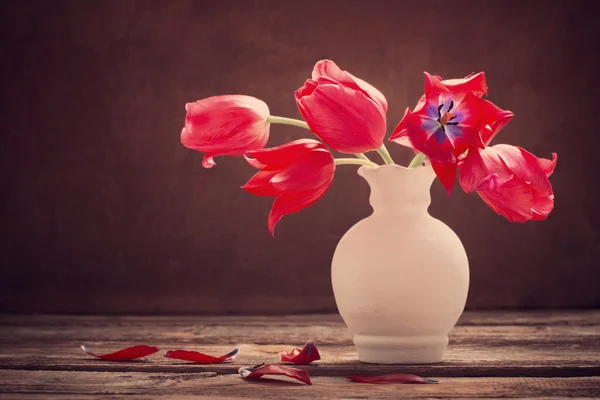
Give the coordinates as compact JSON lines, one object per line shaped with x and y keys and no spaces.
{"x":450,"y":127}
{"x":448,"y":120}
{"x":297,"y":174}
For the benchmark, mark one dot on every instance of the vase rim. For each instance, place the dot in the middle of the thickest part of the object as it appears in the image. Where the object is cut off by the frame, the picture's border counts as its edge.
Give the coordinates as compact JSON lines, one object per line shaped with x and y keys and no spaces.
{"x":365,"y":170}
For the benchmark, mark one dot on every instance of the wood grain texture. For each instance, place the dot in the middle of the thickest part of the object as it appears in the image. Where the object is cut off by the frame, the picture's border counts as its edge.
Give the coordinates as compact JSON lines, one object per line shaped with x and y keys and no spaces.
{"x":161,"y":385}
{"x":103,"y":211}
{"x":491,"y":355}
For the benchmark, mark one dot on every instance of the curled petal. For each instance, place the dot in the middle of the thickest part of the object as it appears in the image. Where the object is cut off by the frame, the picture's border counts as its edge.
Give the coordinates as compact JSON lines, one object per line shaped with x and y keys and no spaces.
{"x":548,"y":165}
{"x":328,"y":69}
{"x":391,"y":378}
{"x":473,"y":83}
{"x":200,"y":358}
{"x":253,"y":162}
{"x":493,"y":120}
{"x":127,"y":354}
{"x":433,"y":85}
{"x":408,"y":133}
{"x":258,"y":371}
{"x":308,"y":354}
{"x":208,"y":161}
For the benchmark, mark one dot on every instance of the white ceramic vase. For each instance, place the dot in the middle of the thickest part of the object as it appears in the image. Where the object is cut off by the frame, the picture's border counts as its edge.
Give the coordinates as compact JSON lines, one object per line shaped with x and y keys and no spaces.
{"x":400,"y":277}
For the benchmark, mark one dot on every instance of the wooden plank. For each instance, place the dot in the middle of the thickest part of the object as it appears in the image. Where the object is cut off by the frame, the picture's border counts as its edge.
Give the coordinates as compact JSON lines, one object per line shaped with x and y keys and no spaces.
{"x":232,"y":386}
{"x":461,"y":360}
{"x":46,"y":343}
{"x":212,"y":330}
{"x":512,"y":318}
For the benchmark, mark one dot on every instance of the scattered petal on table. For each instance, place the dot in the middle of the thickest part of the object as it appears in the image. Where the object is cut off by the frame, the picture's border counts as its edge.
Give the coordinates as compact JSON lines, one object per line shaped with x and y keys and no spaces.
{"x":391,"y":378}
{"x":308,"y":354}
{"x":130,"y":353}
{"x":257,"y":372}
{"x":198,"y":357}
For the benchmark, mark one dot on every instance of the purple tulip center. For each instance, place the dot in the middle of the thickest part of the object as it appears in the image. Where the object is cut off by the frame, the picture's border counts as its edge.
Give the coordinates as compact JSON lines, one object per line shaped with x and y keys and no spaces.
{"x":442,"y":121}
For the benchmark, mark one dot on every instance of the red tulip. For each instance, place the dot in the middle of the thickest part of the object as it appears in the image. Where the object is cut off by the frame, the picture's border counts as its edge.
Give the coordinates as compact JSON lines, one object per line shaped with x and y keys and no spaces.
{"x":225,"y":125}
{"x":448,"y":120}
{"x":297,"y":174}
{"x":512,"y":181}
{"x":347,"y":113}
{"x":329,"y":69}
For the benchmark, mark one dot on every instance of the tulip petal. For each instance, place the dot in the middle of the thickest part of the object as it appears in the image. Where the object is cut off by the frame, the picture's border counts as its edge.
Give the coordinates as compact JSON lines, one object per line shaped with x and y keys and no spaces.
{"x":308,"y":354}
{"x":525,"y":166}
{"x":200,"y":358}
{"x":473,"y":83}
{"x":306,"y":173}
{"x":260,"y":183}
{"x":390,"y":378}
{"x":446,"y":173}
{"x":479,"y":166}
{"x":253,"y":162}
{"x":286,"y":153}
{"x":433,"y":85}
{"x":548,"y":165}
{"x":127,"y":354}
{"x":345,"y":119}
{"x":513,"y":200}
{"x":329,"y":69}
{"x":258,"y":371}
{"x":289,"y":203}
{"x":208,"y":161}
{"x":493,"y":120}
{"x":408,"y":132}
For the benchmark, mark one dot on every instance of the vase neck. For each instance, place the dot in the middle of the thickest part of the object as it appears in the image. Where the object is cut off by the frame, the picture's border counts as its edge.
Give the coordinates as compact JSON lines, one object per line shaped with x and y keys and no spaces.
{"x":396,"y":189}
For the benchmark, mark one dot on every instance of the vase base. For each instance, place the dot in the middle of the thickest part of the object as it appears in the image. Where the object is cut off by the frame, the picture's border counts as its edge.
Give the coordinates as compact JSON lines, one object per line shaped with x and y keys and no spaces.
{"x":401,"y":349}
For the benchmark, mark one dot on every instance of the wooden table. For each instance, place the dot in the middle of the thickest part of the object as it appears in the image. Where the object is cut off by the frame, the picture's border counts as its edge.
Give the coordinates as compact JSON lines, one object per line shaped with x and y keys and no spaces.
{"x":491,"y":355}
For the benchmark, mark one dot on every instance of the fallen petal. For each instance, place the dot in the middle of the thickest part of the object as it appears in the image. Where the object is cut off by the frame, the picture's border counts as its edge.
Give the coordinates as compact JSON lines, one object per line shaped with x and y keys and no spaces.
{"x":308,"y":354}
{"x":130,"y":353}
{"x":199,"y":358}
{"x":391,"y":378}
{"x":258,"y":371}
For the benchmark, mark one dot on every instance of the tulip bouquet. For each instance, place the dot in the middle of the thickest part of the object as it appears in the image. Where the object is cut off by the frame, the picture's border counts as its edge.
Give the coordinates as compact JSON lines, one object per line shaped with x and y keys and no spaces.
{"x":450,"y":128}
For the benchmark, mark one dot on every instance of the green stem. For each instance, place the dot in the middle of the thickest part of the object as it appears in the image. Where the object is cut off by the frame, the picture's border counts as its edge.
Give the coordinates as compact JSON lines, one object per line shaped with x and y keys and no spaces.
{"x":362,"y":157}
{"x":417,"y":160}
{"x":352,"y":161}
{"x":287,"y":121}
{"x":385,"y":154}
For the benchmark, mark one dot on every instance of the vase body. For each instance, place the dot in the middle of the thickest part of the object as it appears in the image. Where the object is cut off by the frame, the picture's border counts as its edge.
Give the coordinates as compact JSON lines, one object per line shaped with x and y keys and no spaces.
{"x":400,"y":277}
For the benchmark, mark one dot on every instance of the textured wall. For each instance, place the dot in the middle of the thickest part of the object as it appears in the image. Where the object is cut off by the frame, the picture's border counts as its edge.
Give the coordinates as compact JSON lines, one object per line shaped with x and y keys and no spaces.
{"x":102,"y":209}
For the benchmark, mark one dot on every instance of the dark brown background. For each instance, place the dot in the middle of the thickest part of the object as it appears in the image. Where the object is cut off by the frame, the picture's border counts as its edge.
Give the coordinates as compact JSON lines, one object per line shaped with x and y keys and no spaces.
{"x":104,"y":211}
